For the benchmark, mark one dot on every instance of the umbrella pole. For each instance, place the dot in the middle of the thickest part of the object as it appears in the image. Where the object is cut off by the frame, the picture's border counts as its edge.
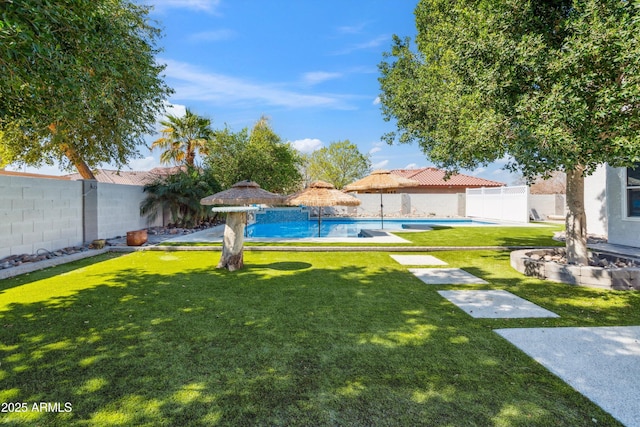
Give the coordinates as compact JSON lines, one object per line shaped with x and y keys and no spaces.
{"x":319,"y":219}
{"x":381,"y":211}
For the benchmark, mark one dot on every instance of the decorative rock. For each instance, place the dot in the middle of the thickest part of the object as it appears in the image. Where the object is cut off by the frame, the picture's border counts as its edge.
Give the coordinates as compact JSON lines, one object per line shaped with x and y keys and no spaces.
{"x":619,"y":273}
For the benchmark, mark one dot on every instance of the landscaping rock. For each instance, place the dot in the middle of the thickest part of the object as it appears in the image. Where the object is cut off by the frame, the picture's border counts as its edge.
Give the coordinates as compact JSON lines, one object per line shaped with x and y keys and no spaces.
{"x":605,"y":271}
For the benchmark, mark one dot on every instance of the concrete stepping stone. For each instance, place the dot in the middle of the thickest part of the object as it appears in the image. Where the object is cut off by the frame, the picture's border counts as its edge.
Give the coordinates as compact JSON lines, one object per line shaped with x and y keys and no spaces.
{"x":418,"y":260}
{"x":495,"y":304}
{"x":602,"y":363}
{"x":446,"y":276}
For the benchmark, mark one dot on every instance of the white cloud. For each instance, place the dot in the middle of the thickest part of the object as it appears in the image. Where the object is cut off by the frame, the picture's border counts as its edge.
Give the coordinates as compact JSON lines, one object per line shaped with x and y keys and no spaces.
{"x":316,"y":77}
{"x":380,"y":165}
{"x":176,"y":110}
{"x":213,"y":36}
{"x":198,"y":5}
{"x":411,"y":166}
{"x":375,"y":150}
{"x":351,"y":29}
{"x":307,"y":145}
{"x":144,"y":164}
{"x":478,"y":171}
{"x":192,"y":83}
{"x":376,"y":101}
{"x":369,"y":44}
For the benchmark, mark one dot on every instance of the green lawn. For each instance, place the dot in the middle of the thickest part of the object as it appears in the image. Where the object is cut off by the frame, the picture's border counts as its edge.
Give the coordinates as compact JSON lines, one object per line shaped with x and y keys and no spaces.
{"x":296,"y":338}
{"x":540,"y":235}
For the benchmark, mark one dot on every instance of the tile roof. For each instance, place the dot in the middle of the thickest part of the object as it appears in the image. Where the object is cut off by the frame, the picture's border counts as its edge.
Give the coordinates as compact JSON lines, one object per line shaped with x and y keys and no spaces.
{"x":31,"y":175}
{"x":432,"y":177}
{"x":128,"y":177}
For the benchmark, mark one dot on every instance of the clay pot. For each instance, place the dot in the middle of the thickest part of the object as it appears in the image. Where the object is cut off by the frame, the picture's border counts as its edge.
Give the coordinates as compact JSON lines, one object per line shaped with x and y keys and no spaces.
{"x":136,"y":238}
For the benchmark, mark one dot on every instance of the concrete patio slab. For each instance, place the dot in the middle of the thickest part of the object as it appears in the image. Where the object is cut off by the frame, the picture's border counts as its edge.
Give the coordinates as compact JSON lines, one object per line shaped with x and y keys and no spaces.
{"x":446,"y":276}
{"x":418,"y":260}
{"x":602,"y":363}
{"x":215,"y":235}
{"x":495,"y":304}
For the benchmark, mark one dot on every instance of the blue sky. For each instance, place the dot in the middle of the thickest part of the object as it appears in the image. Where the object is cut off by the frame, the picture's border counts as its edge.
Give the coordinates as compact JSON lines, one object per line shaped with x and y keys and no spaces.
{"x":310,"y":66}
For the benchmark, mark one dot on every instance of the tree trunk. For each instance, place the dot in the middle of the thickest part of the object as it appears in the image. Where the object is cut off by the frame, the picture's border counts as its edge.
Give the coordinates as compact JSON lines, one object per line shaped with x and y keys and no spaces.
{"x":78,"y":162}
{"x":232,"y":242}
{"x":576,"y":222}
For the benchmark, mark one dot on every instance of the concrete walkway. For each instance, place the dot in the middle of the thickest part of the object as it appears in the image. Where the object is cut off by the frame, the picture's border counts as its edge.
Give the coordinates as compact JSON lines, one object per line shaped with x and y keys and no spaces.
{"x":495,"y":304}
{"x":601,"y":363}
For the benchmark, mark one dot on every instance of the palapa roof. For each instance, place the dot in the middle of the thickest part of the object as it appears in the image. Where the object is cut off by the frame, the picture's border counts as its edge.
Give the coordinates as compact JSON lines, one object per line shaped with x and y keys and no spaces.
{"x":321,"y":193}
{"x":243,"y":193}
{"x":380,"y":180}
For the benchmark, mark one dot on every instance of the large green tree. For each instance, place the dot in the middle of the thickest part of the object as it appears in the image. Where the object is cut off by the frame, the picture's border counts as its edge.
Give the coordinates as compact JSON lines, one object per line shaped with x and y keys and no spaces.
{"x":260,"y":155}
{"x":183,"y":137}
{"x":555,"y":85}
{"x":340,"y":164}
{"x":79,"y":82}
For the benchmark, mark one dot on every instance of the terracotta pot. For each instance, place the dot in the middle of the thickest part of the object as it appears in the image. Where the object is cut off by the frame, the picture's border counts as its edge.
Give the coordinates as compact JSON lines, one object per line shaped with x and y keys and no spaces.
{"x":136,"y":238}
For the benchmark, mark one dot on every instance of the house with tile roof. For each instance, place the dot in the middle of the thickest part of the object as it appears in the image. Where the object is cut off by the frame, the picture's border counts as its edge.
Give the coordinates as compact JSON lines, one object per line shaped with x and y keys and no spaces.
{"x":432,"y":180}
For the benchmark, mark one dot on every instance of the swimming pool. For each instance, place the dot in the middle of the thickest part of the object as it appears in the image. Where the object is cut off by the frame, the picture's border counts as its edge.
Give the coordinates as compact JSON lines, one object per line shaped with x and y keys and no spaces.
{"x":344,"y":227}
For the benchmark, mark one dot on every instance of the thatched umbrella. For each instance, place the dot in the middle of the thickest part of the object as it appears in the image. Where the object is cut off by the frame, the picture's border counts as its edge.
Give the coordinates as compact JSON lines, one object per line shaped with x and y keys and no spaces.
{"x":321,"y":194}
{"x":381,"y":180}
{"x":240,"y":195}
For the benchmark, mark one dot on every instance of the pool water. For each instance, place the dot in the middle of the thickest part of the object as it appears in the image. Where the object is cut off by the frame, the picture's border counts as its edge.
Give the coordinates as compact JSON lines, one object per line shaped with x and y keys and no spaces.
{"x":342,"y":227}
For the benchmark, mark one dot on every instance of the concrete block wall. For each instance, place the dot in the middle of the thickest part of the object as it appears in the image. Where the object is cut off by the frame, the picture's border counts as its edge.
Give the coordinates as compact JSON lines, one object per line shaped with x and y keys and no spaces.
{"x":45,"y":213}
{"x":38,"y":213}
{"x":418,"y":205}
{"x":119,"y":210}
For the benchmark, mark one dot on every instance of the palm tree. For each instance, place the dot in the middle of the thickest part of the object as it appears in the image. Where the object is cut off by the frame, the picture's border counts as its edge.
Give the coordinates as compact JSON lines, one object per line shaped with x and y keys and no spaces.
{"x":182,"y":137}
{"x":180,"y":194}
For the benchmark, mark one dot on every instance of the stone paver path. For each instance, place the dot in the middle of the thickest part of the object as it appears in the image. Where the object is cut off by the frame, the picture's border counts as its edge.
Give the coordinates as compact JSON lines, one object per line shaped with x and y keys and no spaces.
{"x":446,"y":276}
{"x":495,"y":304}
{"x":418,"y":260}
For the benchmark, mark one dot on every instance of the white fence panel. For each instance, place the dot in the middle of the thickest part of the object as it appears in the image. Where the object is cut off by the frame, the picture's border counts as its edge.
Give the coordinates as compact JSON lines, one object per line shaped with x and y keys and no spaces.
{"x":503,"y":203}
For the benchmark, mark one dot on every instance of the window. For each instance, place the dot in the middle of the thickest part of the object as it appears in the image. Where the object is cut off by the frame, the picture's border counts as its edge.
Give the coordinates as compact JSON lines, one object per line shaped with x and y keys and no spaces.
{"x":633,"y":191}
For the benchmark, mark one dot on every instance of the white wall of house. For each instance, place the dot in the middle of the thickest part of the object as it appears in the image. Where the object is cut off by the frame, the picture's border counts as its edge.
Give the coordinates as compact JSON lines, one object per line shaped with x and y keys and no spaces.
{"x":595,"y":201}
{"x":38,"y":213}
{"x":623,"y":230}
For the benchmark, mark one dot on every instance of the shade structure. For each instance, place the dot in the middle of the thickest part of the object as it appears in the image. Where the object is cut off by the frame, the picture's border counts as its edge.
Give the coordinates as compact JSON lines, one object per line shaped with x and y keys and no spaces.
{"x":381,"y":180}
{"x":243,"y":193}
{"x":240,"y":194}
{"x":320,"y":194}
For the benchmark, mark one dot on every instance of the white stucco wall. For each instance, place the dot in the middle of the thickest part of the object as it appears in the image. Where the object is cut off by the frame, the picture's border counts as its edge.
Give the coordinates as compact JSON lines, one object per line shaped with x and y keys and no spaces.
{"x":595,"y":201}
{"x":622,"y":230}
{"x":547,"y":204}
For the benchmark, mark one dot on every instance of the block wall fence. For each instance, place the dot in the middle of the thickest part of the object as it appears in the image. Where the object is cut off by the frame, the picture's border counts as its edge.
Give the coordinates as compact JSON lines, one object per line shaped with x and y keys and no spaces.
{"x":44,"y":213}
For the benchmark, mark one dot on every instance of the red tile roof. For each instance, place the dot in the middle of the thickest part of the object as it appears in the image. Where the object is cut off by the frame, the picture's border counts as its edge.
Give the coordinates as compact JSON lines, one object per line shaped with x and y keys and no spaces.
{"x":432,"y":177}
